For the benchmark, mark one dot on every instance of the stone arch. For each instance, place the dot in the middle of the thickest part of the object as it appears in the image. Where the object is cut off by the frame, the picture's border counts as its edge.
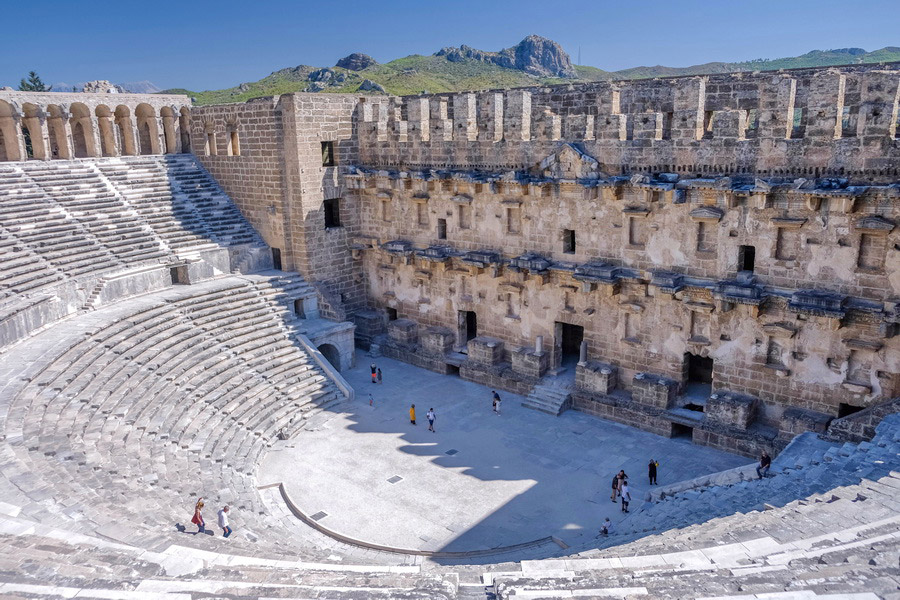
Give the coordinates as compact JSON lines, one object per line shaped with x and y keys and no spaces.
{"x":56,"y":129}
{"x":232,"y":139}
{"x":33,"y":132}
{"x":106,"y":130}
{"x":126,"y":131}
{"x":9,"y":139}
{"x":184,"y":124}
{"x":82,"y":131}
{"x":332,"y":355}
{"x":148,"y":135}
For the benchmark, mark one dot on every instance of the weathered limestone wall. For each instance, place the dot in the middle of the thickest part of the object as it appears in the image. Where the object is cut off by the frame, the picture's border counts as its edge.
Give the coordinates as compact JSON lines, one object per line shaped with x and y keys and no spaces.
{"x":838,"y":121}
{"x":275,"y":174}
{"x":750,"y":219}
{"x":253,"y":177}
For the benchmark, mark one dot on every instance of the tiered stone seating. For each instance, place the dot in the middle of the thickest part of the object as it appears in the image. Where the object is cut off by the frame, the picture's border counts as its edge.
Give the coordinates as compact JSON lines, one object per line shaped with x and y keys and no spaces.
{"x":167,"y":397}
{"x":826,"y":505}
{"x":72,"y":220}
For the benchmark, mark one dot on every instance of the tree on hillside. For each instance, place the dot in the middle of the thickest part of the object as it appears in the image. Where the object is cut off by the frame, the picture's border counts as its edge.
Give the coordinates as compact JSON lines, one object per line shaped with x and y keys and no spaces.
{"x":33,"y":84}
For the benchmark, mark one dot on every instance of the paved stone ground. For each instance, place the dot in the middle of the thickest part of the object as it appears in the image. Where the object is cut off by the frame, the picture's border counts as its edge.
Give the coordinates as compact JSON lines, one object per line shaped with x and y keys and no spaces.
{"x":516,"y":477}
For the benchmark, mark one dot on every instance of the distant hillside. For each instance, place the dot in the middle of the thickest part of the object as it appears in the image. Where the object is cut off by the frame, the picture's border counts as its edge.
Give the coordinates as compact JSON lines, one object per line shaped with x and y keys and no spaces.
{"x":534,"y":61}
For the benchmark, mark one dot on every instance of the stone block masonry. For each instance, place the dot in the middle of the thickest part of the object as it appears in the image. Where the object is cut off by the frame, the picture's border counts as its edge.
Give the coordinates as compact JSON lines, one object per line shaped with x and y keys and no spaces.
{"x":733,"y":236}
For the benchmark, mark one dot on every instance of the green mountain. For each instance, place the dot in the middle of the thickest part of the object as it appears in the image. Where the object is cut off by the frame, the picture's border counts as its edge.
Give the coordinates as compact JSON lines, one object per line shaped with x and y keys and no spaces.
{"x":534,"y":61}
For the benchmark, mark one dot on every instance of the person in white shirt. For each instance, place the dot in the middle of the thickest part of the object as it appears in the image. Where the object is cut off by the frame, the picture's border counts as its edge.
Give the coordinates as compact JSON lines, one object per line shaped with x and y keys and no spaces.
{"x":223,"y":521}
{"x":626,"y":497}
{"x":430,"y":416}
{"x":607,"y":527}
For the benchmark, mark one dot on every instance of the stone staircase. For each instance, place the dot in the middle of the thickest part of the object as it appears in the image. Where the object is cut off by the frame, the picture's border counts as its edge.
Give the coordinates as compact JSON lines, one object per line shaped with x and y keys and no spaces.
{"x":552,"y":396}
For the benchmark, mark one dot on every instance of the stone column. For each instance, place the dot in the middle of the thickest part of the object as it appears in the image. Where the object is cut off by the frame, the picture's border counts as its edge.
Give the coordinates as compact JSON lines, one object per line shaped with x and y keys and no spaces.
{"x":539,"y":344}
{"x":582,"y":353}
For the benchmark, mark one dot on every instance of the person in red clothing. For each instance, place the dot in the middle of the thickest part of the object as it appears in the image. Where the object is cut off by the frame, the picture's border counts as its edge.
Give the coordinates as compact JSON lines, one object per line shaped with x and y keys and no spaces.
{"x":197,"y":519}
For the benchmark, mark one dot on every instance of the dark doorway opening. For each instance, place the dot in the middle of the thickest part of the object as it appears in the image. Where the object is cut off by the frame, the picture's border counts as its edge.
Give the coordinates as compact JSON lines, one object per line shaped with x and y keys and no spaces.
{"x":173,"y":273}
{"x":442,"y":229}
{"x":746,"y":258}
{"x":569,"y":342}
{"x":298,"y":308}
{"x":332,"y":355}
{"x":467,"y":326}
{"x":276,"y":259}
{"x":391,"y":313}
{"x":682,"y":431}
{"x":699,"y":373}
{"x":453,"y":370}
{"x":700,"y":368}
{"x":845,"y":410}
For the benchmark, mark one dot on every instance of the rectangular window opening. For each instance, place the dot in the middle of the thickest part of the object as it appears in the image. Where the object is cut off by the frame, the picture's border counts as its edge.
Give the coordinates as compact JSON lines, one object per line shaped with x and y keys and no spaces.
{"x":569,"y":241}
{"x":442,"y":229}
{"x":746,"y":258}
{"x":327,"y":154}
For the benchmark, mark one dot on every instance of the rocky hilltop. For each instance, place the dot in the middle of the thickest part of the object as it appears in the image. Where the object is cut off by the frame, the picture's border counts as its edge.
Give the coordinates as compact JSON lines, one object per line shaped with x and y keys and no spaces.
{"x":356,"y":62}
{"x":534,"y":55}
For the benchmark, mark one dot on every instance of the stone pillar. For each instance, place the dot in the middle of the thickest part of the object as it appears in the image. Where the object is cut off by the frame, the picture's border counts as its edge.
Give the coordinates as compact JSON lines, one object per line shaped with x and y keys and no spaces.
{"x":582,"y":353}
{"x":517,"y":116}
{"x":539,"y":344}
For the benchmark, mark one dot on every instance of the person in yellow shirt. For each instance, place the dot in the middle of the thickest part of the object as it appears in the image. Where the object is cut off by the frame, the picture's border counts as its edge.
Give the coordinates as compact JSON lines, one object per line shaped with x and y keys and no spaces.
{"x":412,"y":414}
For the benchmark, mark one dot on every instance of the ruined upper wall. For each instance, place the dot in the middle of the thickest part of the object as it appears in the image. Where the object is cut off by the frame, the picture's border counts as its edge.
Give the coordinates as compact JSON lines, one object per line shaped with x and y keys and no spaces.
{"x":811,"y":122}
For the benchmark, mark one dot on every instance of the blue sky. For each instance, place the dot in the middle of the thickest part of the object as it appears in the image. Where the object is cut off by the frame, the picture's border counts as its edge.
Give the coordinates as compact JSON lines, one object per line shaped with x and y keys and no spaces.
{"x":210,"y":45}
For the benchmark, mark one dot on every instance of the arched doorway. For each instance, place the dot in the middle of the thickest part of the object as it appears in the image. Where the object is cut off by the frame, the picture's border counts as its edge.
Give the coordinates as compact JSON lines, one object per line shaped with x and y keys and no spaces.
{"x":332,"y":355}
{"x":184,"y":125}
{"x":32,"y":132}
{"x":56,"y":127}
{"x":107,"y":133}
{"x":82,"y":130}
{"x":9,"y":141}
{"x":148,"y":138}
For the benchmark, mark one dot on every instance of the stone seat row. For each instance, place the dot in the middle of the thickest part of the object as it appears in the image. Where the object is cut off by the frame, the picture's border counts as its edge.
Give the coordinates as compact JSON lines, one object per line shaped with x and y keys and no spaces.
{"x":162,"y":394}
{"x":80,"y":218}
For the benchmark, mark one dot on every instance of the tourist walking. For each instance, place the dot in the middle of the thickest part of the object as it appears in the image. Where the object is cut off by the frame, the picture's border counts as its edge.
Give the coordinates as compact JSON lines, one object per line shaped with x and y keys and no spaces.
{"x":607,"y":527}
{"x":430,"y":416}
{"x":412,"y":414}
{"x":197,"y":519}
{"x":626,"y":497}
{"x":378,"y":371}
{"x":496,"y":402}
{"x":374,"y":373}
{"x":764,"y":463}
{"x":615,"y":487}
{"x":223,"y":522}
{"x":652,"y":471}
{"x":371,"y":400}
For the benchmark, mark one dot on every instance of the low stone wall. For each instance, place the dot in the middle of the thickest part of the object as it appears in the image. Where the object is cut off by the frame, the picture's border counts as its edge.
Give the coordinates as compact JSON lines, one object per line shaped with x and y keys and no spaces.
{"x":860,"y":427}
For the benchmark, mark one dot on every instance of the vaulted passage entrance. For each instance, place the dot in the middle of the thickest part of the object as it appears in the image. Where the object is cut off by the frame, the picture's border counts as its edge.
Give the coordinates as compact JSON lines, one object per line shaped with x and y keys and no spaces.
{"x":467,"y":327}
{"x":568,"y":342}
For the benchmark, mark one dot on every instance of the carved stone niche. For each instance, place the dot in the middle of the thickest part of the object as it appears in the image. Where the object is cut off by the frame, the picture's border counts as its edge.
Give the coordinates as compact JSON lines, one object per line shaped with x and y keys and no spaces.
{"x":874,"y":224}
{"x":485,"y":351}
{"x":599,"y":275}
{"x":731,"y":409}
{"x":709,"y":214}
{"x":596,"y":377}
{"x":780,"y":329}
{"x":403,"y":332}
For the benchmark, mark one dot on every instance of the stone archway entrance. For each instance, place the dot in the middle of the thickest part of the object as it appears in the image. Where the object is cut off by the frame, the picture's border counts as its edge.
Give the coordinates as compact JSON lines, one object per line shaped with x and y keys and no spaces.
{"x":332,"y":355}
